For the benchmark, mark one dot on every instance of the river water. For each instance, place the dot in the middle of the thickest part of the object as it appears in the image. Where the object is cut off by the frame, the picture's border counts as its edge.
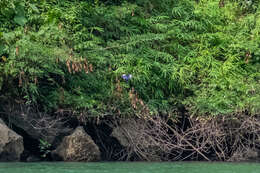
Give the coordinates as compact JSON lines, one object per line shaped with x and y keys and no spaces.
{"x":130,"y":167}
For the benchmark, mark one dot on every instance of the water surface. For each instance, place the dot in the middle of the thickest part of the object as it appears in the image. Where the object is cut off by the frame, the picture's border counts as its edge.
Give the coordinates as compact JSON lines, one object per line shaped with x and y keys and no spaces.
{"x":130,"y":167}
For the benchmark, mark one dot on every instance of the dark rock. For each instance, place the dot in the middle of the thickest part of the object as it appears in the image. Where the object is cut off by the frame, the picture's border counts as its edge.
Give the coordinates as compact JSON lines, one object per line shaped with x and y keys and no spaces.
{"x":34,"y":125}
{"x":110,"y":148}
{"x":129,"y":132}
{"x":245,"y":155}
{"x":11,"y":144}
{"x":33,"y":158}
{"x":39,"y":126}
{"x":78,"y":146}
{"x":120,"y":134}
{"x":137,"y":137}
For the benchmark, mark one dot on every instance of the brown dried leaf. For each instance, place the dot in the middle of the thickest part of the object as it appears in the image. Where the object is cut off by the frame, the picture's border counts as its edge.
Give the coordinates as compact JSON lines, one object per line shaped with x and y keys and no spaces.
{"x":90,"y":68}
{"x":86,"y":68}
{"x":73,"y":67}
{"x":68,"y":65}
{"x":35,"y":80}
{"x":17,"y":51}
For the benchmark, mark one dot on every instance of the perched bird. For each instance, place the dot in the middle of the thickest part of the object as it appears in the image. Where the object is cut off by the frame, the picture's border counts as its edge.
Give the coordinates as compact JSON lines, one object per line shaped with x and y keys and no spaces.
{"x":126,"y":77}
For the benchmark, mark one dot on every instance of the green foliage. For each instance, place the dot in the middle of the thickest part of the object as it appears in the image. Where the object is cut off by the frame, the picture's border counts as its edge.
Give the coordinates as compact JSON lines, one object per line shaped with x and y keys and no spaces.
{"x":71,"y":55}
{"x":44,"y":147}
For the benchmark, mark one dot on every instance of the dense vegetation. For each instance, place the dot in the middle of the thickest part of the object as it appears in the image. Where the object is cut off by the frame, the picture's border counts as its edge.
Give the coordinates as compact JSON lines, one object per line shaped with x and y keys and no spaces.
{"x":69,"y":55}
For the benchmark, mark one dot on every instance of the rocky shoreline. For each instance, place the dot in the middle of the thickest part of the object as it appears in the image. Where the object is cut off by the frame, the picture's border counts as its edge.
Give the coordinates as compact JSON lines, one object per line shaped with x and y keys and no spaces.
{"x":41,"y":137}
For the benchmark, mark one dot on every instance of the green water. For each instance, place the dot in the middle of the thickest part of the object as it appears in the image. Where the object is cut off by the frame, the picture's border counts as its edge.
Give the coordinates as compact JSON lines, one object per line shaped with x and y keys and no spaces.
{"x":130,"y":167}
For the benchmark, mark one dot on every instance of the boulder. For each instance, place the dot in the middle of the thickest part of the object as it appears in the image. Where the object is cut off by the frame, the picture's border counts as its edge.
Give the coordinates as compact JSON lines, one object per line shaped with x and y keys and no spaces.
{"x":245,"y":155}
{"x":126,"y":133}
{"x":134,"y":132}
{"x":11,"y":144}
{"x":139,"y":140}
{"x":78,"y":146}
{"x":37,"y":125}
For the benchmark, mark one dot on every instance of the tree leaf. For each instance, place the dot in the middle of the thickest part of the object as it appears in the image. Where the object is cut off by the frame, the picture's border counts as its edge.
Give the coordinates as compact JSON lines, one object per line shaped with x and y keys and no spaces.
{"x":2,"y":49}
{"x":34,"y":8}
{"x":21,"y":20}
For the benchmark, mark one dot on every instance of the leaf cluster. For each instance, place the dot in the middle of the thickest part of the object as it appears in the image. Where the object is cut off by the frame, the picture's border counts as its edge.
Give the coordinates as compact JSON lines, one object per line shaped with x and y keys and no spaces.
{"x":202,"y":55}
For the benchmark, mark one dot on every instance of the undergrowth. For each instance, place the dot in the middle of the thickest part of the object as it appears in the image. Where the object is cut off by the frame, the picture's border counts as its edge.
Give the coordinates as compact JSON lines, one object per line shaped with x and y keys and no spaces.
{"x":69,"y":56}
